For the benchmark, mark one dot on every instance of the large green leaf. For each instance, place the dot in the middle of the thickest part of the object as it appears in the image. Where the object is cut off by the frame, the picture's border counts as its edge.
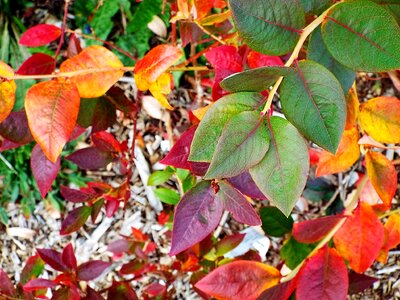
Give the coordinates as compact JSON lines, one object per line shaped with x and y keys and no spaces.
{"x":294,"y":252}
{"x":282,"y":174}
{"x":254,"y":80}
{"x":317,"y":51}
{"x":268,"y":26}
{"x":274,"y":222}
{"x":313,"y":101}
{"x":243,"y":143}
{"x":315,"y":6}
{"x":207,"y":134}
{"x":363,"y":36}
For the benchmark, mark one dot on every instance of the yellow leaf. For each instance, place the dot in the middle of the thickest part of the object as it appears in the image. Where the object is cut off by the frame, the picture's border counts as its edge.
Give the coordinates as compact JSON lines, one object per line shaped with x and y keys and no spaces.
{"x":160,"y":88}
{"x":7,"y":91}
{"x":352,"y":108}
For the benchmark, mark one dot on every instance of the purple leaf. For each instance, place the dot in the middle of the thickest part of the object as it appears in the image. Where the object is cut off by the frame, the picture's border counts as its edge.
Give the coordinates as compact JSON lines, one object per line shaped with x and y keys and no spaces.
{"x":237,"y":205}
{"x":119,"y":246}
{"x":6,"y":286}
{"x":75,"y":219}
{"x":359,"y":282}
{"x":68,"y":257}
{"x":39,"y":283}
{"x":76,"y":196}
{"x":15,"y":128}
{"x":90,"y":158}
{"x":44,"y":171}
{"x":92,"y":269}
{"x":52,"y":258}
{"x":196,"y":215}
{"x":246,"y":185}
{"x":91,"y":294}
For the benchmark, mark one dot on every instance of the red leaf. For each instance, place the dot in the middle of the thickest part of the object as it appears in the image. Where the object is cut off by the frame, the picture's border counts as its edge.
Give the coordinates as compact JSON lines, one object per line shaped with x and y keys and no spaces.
{"x":6,"y":286}
{"x":246,"y":185}
{"x":106,"y":141}
{"x":44,"y":171}
{"x":39,"y":283}
{"x":256,"y":60}
{"x":196,"y":215}
{"x":77,"y":196}
{"x":155,"y":289}
{"x":312,"y":231}
{"x":237,"y":205}
{"x":360,"y":238}
{"x":40,"y":35}
{"x":359,"y":282}
{"x":52,"y":258}
{"x":15,"y":128}
{"x":75,"y":219}
{"x":324,"y":276}
{"x":228,"y":243}
{"x":281,"y":291}
{"x":239,"y":280}
{"x":117,"y":97}
{"x":91,"y":294}
{"x":68,"y":257}
{"x":7,"y":145}
{"x":37,"y":64}
{"x":90,"y":158}
{"x":92,"y":269}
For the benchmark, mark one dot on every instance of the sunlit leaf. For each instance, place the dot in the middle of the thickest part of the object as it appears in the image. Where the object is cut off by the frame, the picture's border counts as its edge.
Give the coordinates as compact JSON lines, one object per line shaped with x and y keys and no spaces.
{"x":274,"y":222}
{"x":7,"y":91}
{"x":352,"y":109}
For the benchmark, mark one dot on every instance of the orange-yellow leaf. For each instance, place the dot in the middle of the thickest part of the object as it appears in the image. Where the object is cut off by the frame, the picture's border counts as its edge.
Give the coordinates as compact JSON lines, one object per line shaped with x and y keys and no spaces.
{"x":392,"y":228}
{"x":360,"y":238}
{"x":200,"y":112}
{"x":383,"y":176}
{"x":347,"y":154}
{"x":380,"y":118}
{"x":215,"y":18}
{"x":239,"y":280}
{"x":155,"y":63}
{"x":160,"y":88}
{"x":352,"y":109}
{"x":52,"y":109}
{"x":95,"y":83}
{"x":7,"y":91}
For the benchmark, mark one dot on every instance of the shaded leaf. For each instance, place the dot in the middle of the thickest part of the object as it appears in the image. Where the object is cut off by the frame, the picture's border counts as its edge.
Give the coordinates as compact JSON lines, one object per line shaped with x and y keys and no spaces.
{"x":39,"y":283}
{"x":359,"y":282}
{"x":196,"y":216}
{"x":52,"y":109}
{"x":76,"y":196}
{"x":104,"y":115}
{"x":272,"y":31}
{"x":91,"y":269}
{"x":356,"y":34}
{"x":246,"y":185}
{"x":37,"y":64}
{"x":91,"y":158}
{"x":105,"y":70}
{"x":360,"y":238}
{"x":40,"y":35}
{"x":274,"y":222}
{"x":324,"y":276}
{"x":281,"y":291}
{"x":380,"y":118}
{"x":121,"y":291}
{"x":282,"y":174}
{"x":105,"y":141}
{"x":52,"y":258}
{"x":315,"y":6}
{"x":294,"y":252}
{"x":313,"y":101}
{"x":75,"y":219}
{"x":239,"y":280}
{"x":15,"y":128}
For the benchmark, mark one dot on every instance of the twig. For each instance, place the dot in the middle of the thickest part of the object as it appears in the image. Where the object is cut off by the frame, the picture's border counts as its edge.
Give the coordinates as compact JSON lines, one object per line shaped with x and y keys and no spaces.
{"x":63,"y":26}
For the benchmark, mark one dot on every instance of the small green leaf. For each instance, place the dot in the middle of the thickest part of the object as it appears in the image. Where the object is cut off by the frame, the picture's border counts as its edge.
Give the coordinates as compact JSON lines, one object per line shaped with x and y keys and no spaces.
{"x":243,"y":143}
{"x":167,"y":196}
{"x":254,"y":80}
{"x":282,"y":174}
{"x":159,"y":177}
{"x":313,"y":101}
{"x":294,"y":252}
{"x":362,"y":36}
{"x":3,"y":216}
{"x":268,"y":26}
{"x":317,"y":52}
{"x":274,"y":222}
{"x":207,"y":134}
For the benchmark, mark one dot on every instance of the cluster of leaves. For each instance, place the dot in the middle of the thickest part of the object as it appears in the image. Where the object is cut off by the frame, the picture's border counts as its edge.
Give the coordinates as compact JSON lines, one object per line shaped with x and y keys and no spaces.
{"x":239,"y":145}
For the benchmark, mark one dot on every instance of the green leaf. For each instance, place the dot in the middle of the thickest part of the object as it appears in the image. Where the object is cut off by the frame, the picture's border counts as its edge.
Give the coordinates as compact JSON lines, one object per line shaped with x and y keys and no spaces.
{"x":210,"y":128}
{"x":167,"y":196}
{"x":143,"y":15}
{"x":254,"y":80}
{"x":282,"y":174}
{"x":243,"y":143}
{"x":313,"y":101}
{"x":294,"y":252}
{"x":3,"y":216}
{"x":159,"y":177}
{"x":363,"y":36}
{"x":268,"y":26}
{"x":274,"y":222}
{"x":317,"y":52}
{"x":315,"y":6}
{"x":102,"y":22}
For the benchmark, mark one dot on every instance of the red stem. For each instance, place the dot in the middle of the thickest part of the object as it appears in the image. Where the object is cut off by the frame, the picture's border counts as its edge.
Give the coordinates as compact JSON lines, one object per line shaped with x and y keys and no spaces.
{"x":64,"y":23}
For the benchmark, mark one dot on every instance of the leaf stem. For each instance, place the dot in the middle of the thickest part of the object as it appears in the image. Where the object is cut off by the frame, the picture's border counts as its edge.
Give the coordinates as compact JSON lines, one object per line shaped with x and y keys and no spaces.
{"x":295,"y":54}
{"x":209,"y":33}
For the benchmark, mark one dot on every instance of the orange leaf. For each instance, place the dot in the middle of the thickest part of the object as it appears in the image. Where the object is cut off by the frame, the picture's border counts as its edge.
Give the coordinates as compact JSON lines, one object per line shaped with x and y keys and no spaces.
{"x":95,"y":83}
{"x":239,"y":280}
{"x":154,"y":63}
{"x":383,"y":176}
{"x":347,"y":154}
{"x":380,"y":118}
{"x":52,"y":109}
{"x":352,"y":109}
{"x":392,"y":228}
{"x":7,"y":91}
{"x":360,"y":238}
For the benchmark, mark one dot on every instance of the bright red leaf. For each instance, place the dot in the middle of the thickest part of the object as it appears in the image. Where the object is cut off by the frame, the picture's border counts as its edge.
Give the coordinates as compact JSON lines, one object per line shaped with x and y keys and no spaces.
{"x":105,"y":141}
{"x":256,"y":60}
{"x":40,"y":35}
{"x":37,"y":64}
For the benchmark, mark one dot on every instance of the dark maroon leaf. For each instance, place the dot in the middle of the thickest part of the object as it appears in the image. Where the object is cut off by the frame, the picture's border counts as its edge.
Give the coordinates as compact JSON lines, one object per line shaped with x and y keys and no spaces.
{"x":135,"y":267}
{"x":359,"y":282}
{"x":15,"y":128}
{"x":77,"y":196}
{"x":34,"y":266}
{"x":189,"y":33}
{"x":6,"y":286}
{"x":75,"y":219}
{"x":117,"y":97}
{"x":44,"y":170}
{"x":66,"y":293}
{"x":196,"y":215}
{"x":68,"y":257}
{"x":7,"y":145}
{"x":40,"y":35}
{"x":74,"y":46}
{"x":246,"y":185}
{"x":92,"y":269}
{"x":52,"y":258}
{"x":37,"y":64}
{"x":105,"y":142}
{"x":90,"y":158}
{"x":198,"y":168}
{"x":281,"y":291}
{"x":237,"y":205}
{"x":121,"y":291}
{"x":96,"y":208}
{"x":91,"y":294}
{"x":39,"y":283}
{"x":104,"y":115}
